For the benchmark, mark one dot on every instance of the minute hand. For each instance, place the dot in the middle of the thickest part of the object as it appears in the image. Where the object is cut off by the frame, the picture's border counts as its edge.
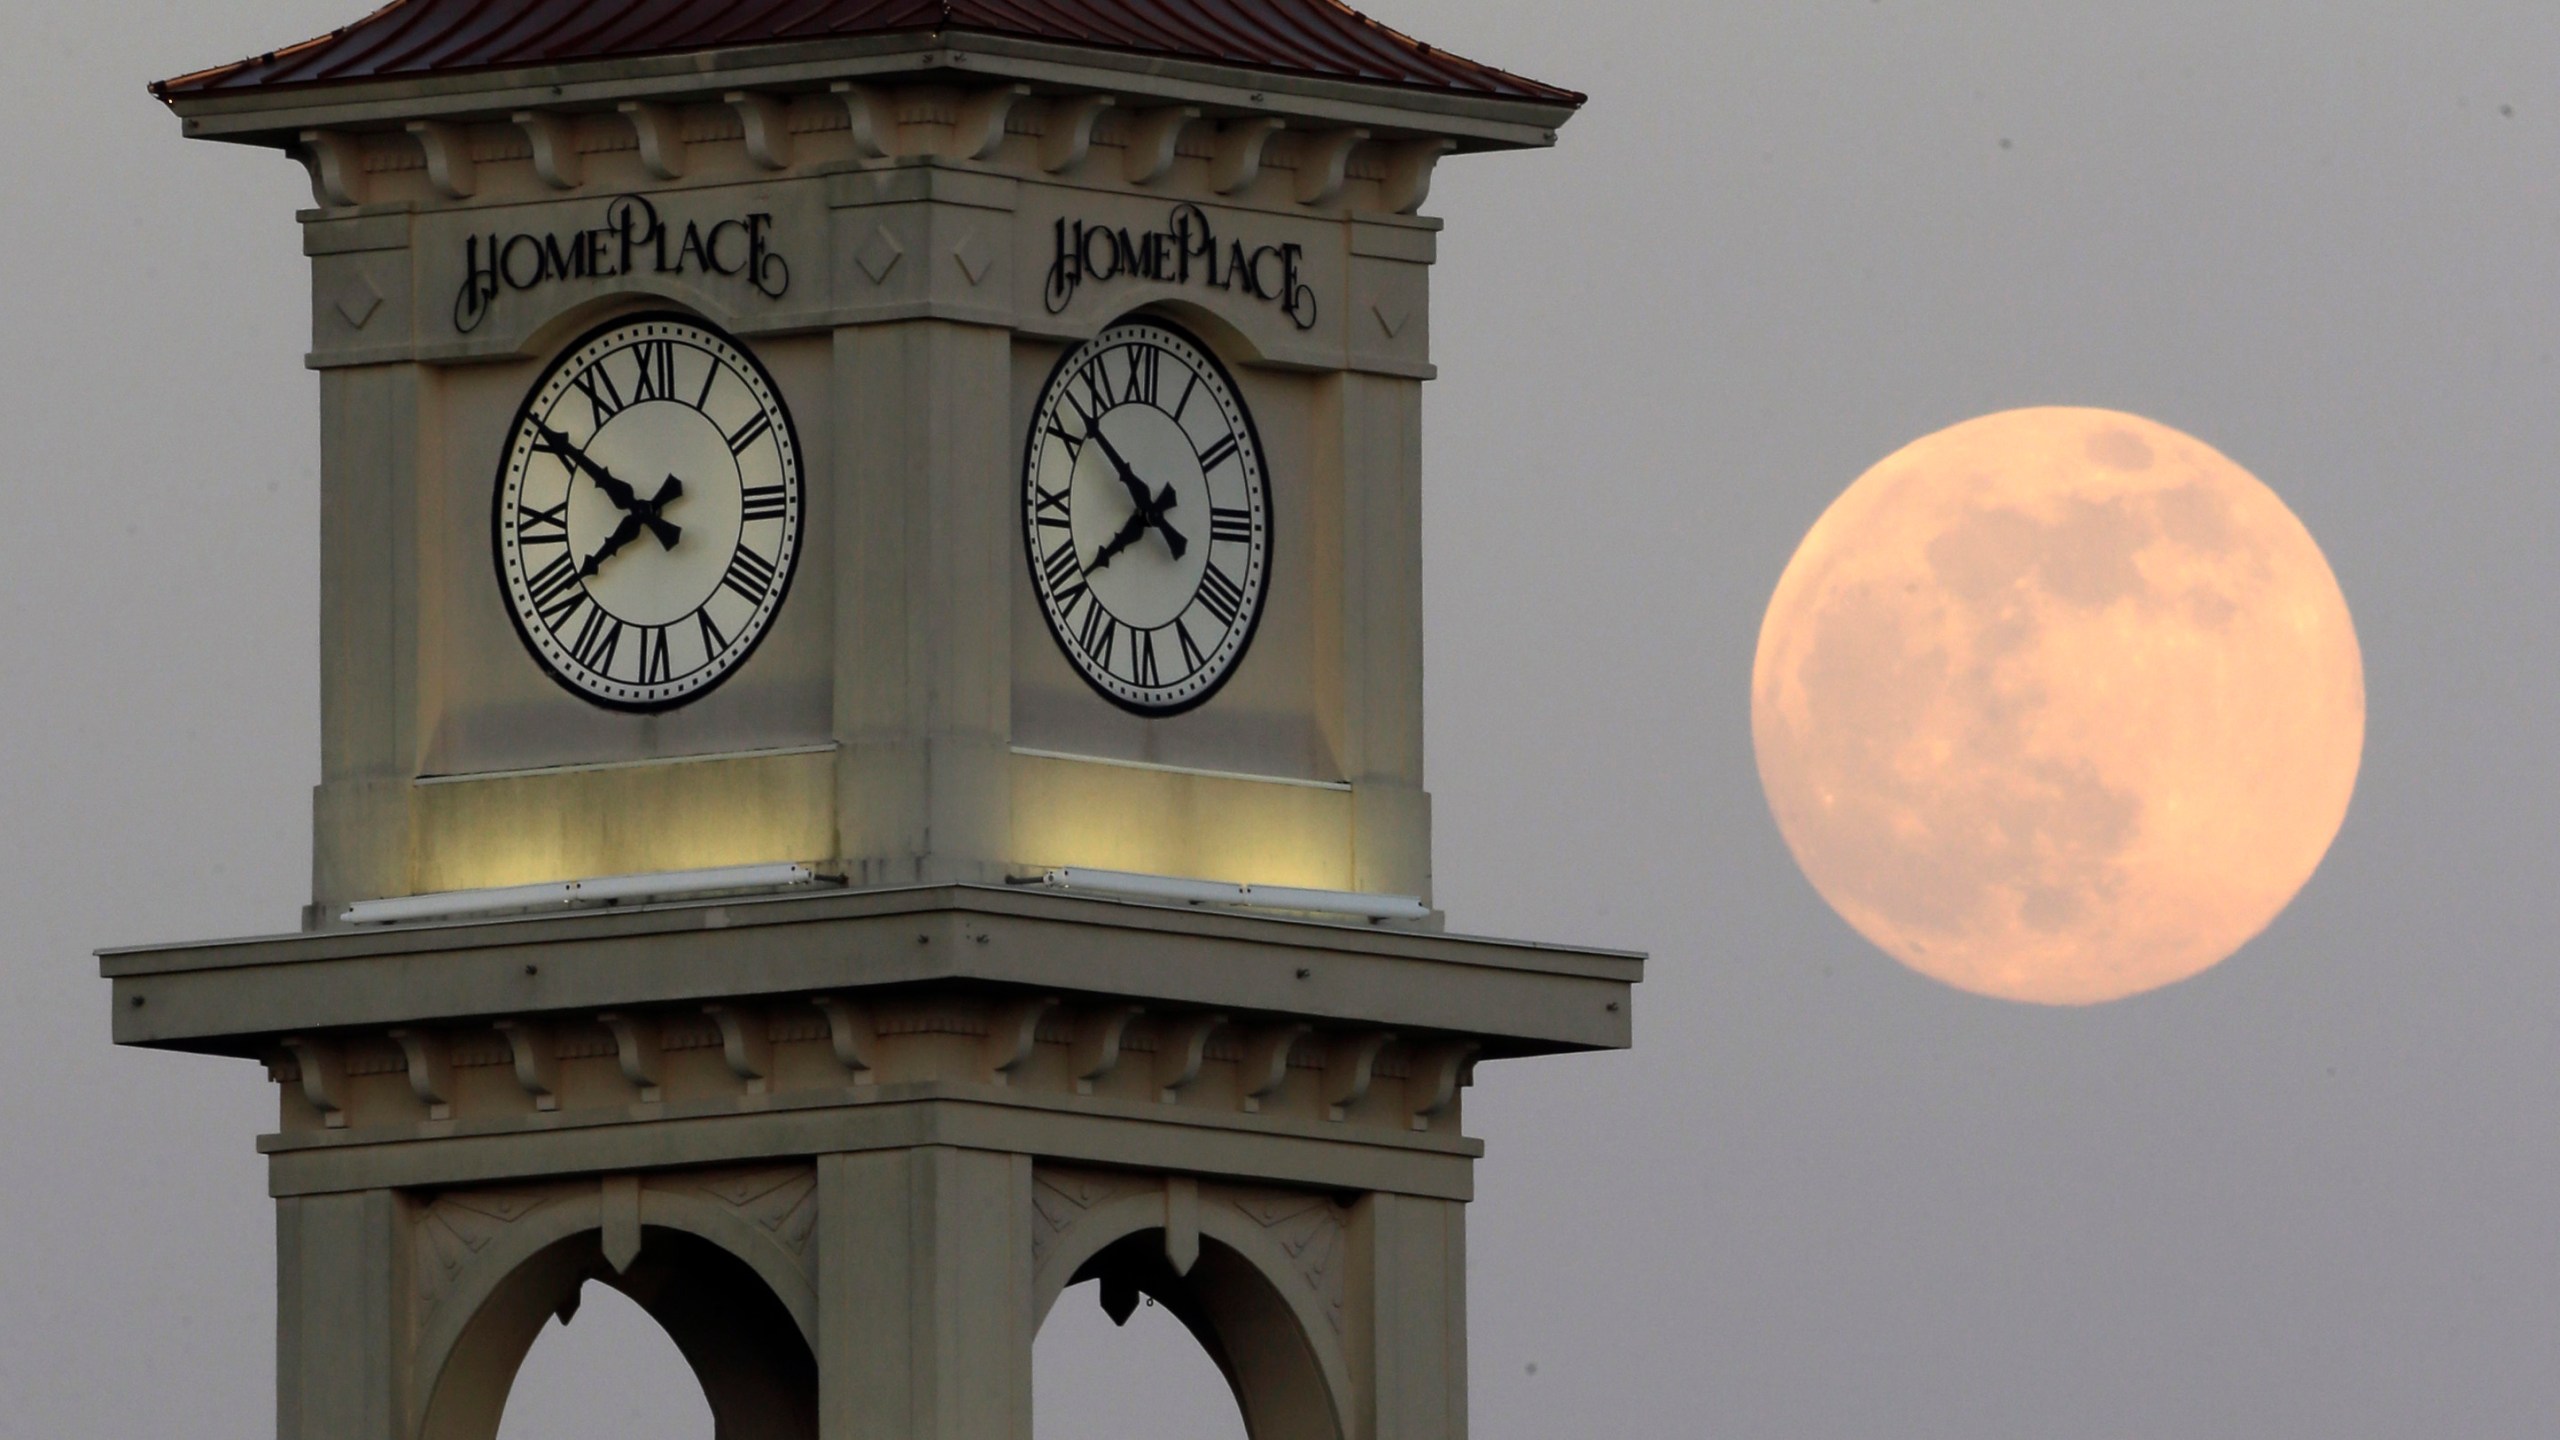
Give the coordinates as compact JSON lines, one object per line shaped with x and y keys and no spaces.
{"x":1150,"y":508}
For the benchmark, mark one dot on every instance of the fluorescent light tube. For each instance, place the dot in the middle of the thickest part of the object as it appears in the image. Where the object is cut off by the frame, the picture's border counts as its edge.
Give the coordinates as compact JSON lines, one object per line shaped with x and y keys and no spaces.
{"x":663,"y":885}
{"x":1178,"y":890}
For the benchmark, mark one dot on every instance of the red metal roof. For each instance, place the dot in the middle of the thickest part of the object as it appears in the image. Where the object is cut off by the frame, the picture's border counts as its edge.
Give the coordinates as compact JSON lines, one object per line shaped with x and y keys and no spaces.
{"x":425,"y":37}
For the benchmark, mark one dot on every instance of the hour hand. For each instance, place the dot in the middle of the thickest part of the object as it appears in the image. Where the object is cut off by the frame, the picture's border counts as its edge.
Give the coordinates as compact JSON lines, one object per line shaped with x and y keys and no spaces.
{"x":642,"y":516}
{"x":623,"y":534}
{"x":1128,"y":536}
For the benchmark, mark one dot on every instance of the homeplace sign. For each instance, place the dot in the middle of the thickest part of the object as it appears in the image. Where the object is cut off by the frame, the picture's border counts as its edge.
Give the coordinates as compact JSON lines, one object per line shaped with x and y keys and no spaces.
{"x":633,"y":240}
{"x":1185,"y":250}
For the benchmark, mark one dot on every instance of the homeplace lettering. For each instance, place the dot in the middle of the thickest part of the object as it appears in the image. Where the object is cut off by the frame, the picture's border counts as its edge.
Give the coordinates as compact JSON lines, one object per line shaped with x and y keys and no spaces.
{"x":633,"y":240}
{"x":1184,"y":250}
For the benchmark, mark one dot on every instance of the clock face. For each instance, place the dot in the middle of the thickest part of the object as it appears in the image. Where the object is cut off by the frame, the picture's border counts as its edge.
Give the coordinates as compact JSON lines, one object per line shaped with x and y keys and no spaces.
{"x":648,"y":512}
{"x":1146,"y":516}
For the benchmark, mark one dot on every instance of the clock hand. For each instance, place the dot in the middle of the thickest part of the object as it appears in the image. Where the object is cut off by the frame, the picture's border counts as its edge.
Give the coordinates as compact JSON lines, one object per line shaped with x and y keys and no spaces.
{"x":667,"y":531}
{"x":623,"y":534}
{"x":1139,"y":520}
{"x":622,"y":496}
{"x":1127,"y":537}
{"x":644,"y":515}
{"x":1149,"y":510}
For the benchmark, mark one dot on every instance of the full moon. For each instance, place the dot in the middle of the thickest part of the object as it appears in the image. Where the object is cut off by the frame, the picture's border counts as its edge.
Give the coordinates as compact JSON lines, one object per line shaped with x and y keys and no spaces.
{"x":2058,"y":705}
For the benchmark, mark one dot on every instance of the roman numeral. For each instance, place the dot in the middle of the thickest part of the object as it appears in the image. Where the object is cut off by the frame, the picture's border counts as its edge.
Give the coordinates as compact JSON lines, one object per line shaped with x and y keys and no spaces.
{"x":657,"y":362}
{"x":656,"y":666}
{"x":1084,"y":417}
{"x":1223,"y":596}
{"x":750,"y":433}
{"x":1192,"y":658}
{"x":1142,"y":648}
{"x":750,"y":574}
{"x":1097,"y":380}
{"x":1074,"y":443}
{"x":760,"y":502}
{"x":597,"y":637}
{"x":1146,"y":365}
{"x":1219,"y":454}
{"x":542,"y":527}
{"x":1096,"y":635}
{"x":1049,"y":508}
{"x":603,"y":396}
{"x":1060,"y":566}
{"x":1225,"y":524}
{"x":1185,"y":402}
{"x":544,"y":444}
{"x":555,"y":591}
{"x":713,"y":642}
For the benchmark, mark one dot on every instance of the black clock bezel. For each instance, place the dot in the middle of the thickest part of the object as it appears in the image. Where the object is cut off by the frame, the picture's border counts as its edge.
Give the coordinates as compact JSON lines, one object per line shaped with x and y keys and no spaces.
{"x":1262,"y":477}
{"x":498,"y":512}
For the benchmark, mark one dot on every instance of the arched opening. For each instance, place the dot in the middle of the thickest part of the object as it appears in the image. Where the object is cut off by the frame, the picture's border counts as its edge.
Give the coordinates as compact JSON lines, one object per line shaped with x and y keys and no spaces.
{"x":1097,"y":1378}
{"x":1178,"y":1337}
{"x":743,"y":1345}
{"x":614,"y":1374}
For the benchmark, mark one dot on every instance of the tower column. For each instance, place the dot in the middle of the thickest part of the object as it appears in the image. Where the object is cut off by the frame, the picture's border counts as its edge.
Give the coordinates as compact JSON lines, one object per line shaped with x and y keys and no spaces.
{"x":1409,"y":1329}
{"x":927,"y":555}
{"x":924,"y":1295}
{"x":341,"y":1341}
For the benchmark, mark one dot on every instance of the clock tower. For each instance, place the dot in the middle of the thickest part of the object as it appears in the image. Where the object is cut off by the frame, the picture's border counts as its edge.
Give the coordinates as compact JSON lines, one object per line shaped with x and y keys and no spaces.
{"x":872,"y":713}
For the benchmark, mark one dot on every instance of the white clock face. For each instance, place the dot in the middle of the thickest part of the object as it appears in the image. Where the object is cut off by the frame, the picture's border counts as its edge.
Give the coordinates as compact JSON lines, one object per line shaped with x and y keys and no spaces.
{"x":648,"y":512}
{"x":1146,"y":516}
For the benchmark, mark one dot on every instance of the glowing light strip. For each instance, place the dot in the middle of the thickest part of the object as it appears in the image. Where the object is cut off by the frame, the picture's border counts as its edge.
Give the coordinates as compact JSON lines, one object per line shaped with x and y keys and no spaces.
{"x":1177,"y":890}
{"x":663,"y":885}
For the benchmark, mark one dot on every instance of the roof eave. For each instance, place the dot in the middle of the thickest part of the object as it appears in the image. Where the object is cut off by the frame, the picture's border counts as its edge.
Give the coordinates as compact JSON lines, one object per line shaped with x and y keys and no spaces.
{"x":276,"y":115}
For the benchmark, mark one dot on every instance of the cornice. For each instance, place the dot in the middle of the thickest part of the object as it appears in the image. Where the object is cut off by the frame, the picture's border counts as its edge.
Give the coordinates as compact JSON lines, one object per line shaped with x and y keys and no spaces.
{"x":279,"y":116}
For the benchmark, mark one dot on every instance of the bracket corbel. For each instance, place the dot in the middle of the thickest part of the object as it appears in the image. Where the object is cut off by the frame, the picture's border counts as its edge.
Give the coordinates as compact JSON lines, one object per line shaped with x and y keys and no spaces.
{"x":767,"y":122}
{"x":448,"y":149}
{"x":323,"y":1066}
{"x":636,"y":1049}
{"x":1438,"y":1072}
{"x":746,"y":1042}
{"x":336,"y":162}
{"x":979,"y":127}
{"x":1266,"y":1062}
{"x":1153,"y":134}
{"x":1012,"y":1030}
{"x":661,"y":134}
{"x":1237,"y":160}
{"x":555,"y":148}
{"x":1070,"y":131}
{"x":874,"y":120}
{"x":430,"y":1060}
{"x":853,"y":1035}
{"x":529,"y":1045}
{"x":1098,"y":1037}
{"x":1408,"y":179}
{"x":1180,"y":1047}
{"x":1349,"y":1070}
{"x":1323,"y":161}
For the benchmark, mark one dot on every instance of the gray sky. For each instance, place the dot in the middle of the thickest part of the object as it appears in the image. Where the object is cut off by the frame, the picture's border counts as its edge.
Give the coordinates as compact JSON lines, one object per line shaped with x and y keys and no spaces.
{"x":2310,"y":1195}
